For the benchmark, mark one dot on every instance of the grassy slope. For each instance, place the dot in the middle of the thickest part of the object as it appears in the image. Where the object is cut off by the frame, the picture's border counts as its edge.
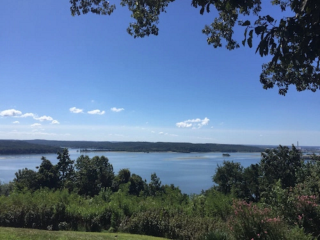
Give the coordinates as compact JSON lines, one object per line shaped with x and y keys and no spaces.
{"x":32,"y":234}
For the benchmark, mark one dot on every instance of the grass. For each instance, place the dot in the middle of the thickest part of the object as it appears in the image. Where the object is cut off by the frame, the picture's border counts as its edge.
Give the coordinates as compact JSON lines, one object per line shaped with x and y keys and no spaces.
{"x":33,"y":234}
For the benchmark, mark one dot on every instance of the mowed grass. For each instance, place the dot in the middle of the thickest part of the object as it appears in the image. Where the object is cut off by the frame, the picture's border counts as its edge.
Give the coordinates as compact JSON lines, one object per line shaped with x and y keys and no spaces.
{"x":33,"y":234}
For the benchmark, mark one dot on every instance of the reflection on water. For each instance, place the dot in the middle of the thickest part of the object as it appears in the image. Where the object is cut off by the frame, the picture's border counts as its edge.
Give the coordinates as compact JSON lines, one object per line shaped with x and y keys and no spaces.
{"x":192,"y":172}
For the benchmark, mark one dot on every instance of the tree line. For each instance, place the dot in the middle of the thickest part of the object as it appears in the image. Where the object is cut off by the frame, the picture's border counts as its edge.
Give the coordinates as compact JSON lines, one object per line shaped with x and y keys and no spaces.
{"x":150,"y":146}
{"x":23,"y":147}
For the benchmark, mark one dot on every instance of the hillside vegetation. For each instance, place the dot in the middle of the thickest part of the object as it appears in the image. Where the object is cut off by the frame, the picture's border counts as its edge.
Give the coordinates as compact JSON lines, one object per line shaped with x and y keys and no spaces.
{"x":278,"y":198}
{"x":149,"y":146}
{"x":23,"y":147}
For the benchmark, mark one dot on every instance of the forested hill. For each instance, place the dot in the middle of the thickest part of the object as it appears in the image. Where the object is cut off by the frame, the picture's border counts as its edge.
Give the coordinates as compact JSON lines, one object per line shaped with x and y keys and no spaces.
{"x":150,"y":146}
{"x":22,"y":147}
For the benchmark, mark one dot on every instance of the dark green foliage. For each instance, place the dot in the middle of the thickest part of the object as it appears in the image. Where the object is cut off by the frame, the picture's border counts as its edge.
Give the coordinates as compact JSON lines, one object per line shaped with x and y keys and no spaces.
{"x":155,"y":187}
{"x":93,"y":175}
{"x":249,"y":183}
{"x":149,"y":146}
{"x":242,"y":182}
{"x":24,"y":147}
{"x":275,"y":199}
{"x":124,"y":175}
{"x":168,"y":223}
{"x":48,"y":175}
{"x":26,"y":179}
{"x":65,"y":168}
{"x":280,"y":163}
{"x":228,"y":176}
{"x":137,"y":185}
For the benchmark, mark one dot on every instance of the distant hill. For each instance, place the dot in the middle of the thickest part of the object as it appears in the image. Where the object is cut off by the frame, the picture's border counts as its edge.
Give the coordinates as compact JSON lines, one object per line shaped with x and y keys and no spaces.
{"x":149,"y":146}
{"x":23,"y":147}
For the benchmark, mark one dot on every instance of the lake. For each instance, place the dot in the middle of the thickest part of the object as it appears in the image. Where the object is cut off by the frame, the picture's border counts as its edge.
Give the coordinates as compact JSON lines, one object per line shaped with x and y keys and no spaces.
{"x":192,"y":172}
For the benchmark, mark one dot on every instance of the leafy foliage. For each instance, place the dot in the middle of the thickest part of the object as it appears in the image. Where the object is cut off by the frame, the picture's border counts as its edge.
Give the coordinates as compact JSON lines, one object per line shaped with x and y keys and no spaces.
{"x":275,"y":199}
{"x":93,"y":175}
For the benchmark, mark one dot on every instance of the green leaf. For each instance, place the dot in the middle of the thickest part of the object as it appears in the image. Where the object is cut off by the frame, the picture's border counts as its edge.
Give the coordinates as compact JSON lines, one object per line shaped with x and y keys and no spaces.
{"x":250,"y":42}
{"x":246,"y":23}
{"x":259,"y":29}
{"x":202,"y":10}
{"x":250,"y":33}
{"x":269,"y":19}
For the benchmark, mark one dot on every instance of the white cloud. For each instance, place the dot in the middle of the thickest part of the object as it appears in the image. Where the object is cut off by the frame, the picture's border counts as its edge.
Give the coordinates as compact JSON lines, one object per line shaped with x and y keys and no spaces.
{"x":10,"y":113}
{"x":205,"y":121}
{"x":114,"y":109}
{"x":97,"y":111}
{"x":55,"y":122}
{"x":36,"y":125}
{"x":44,"y":118}
{"x":183,"y":125}
{"x":16,"y":122}
{"x":195,"y":123}
{"x":28,"y":115}
{"x":76,"y":110}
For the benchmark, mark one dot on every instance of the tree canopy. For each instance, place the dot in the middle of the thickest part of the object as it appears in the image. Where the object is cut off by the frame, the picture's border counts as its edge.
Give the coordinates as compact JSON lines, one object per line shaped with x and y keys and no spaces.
{"x":292,"y":42}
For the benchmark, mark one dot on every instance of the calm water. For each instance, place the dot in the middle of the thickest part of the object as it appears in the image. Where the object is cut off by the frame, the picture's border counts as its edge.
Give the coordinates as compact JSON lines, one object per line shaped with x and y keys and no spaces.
{"x":192,"y":172}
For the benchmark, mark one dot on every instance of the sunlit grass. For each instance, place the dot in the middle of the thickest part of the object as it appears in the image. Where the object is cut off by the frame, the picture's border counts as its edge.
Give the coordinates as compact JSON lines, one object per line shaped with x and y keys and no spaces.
{"x":32,"y":234}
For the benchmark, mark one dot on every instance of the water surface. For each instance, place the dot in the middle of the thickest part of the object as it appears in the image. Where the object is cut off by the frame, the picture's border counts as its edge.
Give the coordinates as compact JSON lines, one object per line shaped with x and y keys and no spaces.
{"x":192,"y":172}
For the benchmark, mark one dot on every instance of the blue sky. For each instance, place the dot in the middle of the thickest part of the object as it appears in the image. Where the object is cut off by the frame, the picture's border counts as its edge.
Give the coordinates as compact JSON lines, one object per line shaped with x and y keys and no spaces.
{"x":85,"y":78}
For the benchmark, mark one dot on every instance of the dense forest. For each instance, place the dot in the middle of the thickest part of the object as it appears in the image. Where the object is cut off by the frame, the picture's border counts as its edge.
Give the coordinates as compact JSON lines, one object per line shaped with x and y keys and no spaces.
{"x":278,"y":198}
{"x":149,"y":146}
{"x":22,"y":147}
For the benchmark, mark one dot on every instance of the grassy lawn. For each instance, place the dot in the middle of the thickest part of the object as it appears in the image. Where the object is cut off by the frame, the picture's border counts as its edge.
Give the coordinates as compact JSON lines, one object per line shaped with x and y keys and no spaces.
{"x":32,"y":234}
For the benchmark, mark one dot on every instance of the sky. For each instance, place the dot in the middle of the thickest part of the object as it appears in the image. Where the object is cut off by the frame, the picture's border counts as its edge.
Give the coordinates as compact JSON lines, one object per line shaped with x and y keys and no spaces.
{"x":86,"y":78}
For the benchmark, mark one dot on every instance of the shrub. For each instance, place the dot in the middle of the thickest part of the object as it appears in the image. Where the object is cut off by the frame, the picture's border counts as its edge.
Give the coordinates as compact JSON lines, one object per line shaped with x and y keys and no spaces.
{"x":252,"y":222}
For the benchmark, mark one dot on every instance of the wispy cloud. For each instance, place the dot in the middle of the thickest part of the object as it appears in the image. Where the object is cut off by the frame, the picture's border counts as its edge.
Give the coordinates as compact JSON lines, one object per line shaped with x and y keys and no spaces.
{"x":114,"y":109}
{"x":97,"y":111}
{"x":76,"y":110}
{"x":18,"y":114}
{"x":183,"y":125}
{"x":10,"y":113}
{"x":28,"y":115}
{"x":44,"y":118}
{"x":194,"y":123}
{"x":55,"y":122}
{"x":36,"y":125}
{"x":166,"y":134}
